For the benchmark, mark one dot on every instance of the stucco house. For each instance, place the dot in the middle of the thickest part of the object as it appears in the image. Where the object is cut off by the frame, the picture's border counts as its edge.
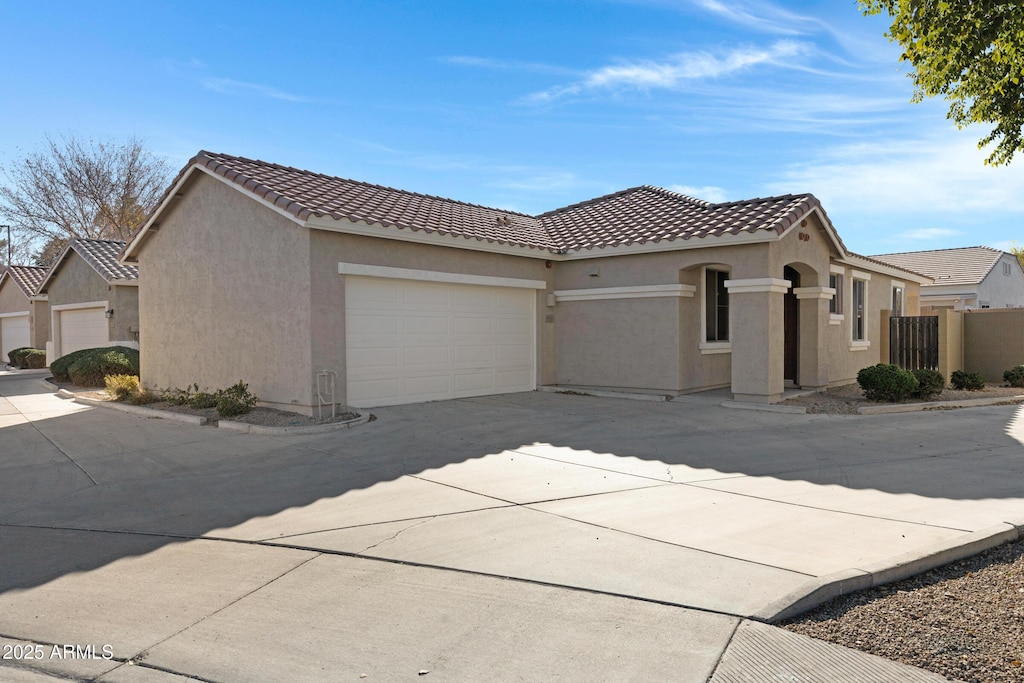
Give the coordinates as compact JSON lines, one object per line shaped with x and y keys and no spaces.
{"x":24,"y":314}
{"x":283,"y":278}
{"x":965,"y":278}
{"x":94,"y":299}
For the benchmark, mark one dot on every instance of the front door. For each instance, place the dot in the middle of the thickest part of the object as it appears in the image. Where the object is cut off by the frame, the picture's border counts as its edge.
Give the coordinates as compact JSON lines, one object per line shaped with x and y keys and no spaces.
{"x":791,"y":320}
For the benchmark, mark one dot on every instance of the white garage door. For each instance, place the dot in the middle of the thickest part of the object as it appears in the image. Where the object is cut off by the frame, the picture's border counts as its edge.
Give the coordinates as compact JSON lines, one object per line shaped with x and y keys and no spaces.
{"x":83,"y":328}
{"x":14,"y":334}
{"x":409,"y":341}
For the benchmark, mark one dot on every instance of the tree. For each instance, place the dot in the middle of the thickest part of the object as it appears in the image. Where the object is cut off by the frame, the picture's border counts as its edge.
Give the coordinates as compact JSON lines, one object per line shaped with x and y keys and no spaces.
{"x":74,"y":188}
{"x":972,"y":53}
{"x":1017,"y":251}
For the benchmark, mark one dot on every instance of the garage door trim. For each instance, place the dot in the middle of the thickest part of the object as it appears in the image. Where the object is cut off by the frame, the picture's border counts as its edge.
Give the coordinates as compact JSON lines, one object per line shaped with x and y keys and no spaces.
{"x":389,"y":272}
{"x":55,"y":331}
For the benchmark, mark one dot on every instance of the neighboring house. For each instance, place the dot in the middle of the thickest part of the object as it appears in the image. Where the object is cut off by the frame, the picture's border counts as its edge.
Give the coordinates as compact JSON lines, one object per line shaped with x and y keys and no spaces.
{"x":94,"y":300}
{"x":281,"y":277}
{"x":24,"y":314}
{"x":965,"y":278}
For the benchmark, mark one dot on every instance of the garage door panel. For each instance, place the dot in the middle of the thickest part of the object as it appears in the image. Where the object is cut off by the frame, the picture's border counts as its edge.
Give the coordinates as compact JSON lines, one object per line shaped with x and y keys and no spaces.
{"x":453,"y":340}
{"x":83,"y":328}
{"x":384,"y":358}
{"x":14,"y":334}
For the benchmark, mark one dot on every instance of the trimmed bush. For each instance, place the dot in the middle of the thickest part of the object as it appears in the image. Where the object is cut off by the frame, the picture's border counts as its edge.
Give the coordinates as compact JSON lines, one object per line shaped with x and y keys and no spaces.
{"x":59,"y":367}
{"x":969,"y":381}
{"x":15,"y":355}
{"x":929,"y":383}
{"x":884,"y":382}
{"x":121,"y":387}
{"x":1014,"y":376}
{"x":90,"y":369}
{"x":235,"y":400}
{"x":27,"y":358}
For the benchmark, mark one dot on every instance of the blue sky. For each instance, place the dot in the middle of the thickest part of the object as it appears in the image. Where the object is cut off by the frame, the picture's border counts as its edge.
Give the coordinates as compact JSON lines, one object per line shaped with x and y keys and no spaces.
{"x":527,"y":105}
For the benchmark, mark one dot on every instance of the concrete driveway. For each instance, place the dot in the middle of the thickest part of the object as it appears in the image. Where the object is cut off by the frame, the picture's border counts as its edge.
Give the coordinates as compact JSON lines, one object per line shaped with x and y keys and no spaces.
{"x":523,"y":537}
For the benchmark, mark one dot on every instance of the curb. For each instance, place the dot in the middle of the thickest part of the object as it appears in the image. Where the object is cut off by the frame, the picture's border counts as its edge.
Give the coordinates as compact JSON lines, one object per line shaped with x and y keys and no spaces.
{"x":765,"y":407}
{"x":603,"y":393}
{"x":139,"y":410}
{"x":938,"y":405}
{"x":246,"y":428}
{"x":824,"y":588}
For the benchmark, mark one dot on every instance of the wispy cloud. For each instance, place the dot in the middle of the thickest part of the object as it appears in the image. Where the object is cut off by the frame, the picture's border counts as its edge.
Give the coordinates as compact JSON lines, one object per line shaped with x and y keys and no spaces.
{"x":674,"y":72}
{"x":229,"y":86}
{"x":763,"y":16}
{"x":708,"y":193}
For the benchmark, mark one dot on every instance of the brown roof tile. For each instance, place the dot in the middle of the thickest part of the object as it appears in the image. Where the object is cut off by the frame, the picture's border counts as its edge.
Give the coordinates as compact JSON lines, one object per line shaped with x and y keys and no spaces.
{"x":634,"y":216}
{"x":28,"y":278}
{"x":960,"y":266}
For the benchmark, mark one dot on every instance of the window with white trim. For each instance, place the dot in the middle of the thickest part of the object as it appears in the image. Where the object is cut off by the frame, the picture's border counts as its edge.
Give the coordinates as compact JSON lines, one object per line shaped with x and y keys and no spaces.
{"x":897,"y":300}
{"x":860,"y":291}
{"x":716,"y":306}
{"x":835,"y":281}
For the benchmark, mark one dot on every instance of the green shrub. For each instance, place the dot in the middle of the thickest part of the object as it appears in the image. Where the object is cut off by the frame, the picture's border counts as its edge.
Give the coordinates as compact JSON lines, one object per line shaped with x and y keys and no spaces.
{"x":971,"y":381}
{"x":16,"y":355}
{"x":202,"y":399}
{"x":90,"y":369}
{"x":34,"y":359}
{"x":1014,"y":376}
{"x":59,"y":367}
{"x":929,"y":383}
{"x":235,"y":400}
{"x":121,"y":387}
{"x":885,"y":382}
{"x":142,"y":397}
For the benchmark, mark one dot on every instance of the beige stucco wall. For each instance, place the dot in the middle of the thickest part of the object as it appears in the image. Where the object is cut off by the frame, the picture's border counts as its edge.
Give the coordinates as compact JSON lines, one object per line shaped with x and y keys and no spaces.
{"x":77,"y":282}
{"x":327,"y":299}
{"x":993,"y":342}
{"x":224,"y":296}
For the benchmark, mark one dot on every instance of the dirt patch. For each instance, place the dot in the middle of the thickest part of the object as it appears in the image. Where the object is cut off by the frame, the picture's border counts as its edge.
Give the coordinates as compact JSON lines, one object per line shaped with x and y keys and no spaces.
{"x":964,"y":620}
{"x":845,"y":400}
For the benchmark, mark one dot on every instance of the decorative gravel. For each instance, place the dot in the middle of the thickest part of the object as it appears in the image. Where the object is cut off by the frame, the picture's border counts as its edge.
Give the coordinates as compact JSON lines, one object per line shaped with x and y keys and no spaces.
{"x":846,"y":399}
{"x":964,"y":620}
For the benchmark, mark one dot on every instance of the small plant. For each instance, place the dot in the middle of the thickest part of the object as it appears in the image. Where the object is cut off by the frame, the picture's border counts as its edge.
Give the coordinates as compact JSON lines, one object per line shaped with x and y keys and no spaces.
{"x":929,"y":383}
{"x":122,"y":387}
{"x":200,"y":400}
{"x":143,"y":397}
{"x":884,"y":382}
{"x":1014,"y":376}
{"x":235,"y":400}
{"x":969,"y":381}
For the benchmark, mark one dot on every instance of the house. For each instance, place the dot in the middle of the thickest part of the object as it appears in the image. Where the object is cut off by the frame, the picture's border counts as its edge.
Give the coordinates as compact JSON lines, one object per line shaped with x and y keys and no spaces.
{"x":94,"y":300}
{"x":24,"y":314}
{"x":287,"y":279}
{"x":965,"y":278}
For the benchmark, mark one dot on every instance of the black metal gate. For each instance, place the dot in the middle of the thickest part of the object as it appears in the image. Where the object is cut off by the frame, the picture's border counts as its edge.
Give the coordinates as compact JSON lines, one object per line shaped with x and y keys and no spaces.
{"x":914,"y":342}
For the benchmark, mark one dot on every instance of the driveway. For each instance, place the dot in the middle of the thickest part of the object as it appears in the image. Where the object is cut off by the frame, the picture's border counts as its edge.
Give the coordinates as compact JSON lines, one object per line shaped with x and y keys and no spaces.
{"x":521,"y":537}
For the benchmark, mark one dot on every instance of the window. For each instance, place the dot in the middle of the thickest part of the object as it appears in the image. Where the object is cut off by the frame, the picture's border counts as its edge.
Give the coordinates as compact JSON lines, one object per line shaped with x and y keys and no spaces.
{"x":1006,"y":268}
{"x":860,"y":288}
{"x":897,"y":299}
{"x":716,"y":305}
{"x":835,"y":281}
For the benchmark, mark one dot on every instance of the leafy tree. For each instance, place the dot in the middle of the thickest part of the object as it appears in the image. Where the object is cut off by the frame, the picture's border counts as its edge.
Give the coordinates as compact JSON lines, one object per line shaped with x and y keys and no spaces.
{"x":972,"y":53}
{"x":1018,"y":251}
{"x":75,"y":188}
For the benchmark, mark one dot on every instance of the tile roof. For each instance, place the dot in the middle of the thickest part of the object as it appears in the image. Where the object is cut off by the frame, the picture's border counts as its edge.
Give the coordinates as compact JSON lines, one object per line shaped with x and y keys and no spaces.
{"x":638,"y":215}
{"x":961,"y":266}
{"x":652,"y":214}
{"x":102,"y":256}
{"x":28,"y":277}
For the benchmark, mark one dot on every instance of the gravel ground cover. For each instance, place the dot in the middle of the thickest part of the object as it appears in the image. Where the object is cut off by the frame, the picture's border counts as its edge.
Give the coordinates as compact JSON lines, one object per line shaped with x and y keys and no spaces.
{"x":964,"y":620}
{"x":846,"y":399}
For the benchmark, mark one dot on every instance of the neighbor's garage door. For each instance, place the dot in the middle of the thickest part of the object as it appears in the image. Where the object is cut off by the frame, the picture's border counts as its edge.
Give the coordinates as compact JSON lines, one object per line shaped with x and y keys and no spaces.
{"x":409,"y":341}
{"x":82,"y":328}
{"x":14,"y":334}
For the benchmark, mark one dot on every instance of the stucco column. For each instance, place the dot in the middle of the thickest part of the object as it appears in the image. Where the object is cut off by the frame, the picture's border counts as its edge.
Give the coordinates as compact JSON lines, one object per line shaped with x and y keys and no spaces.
{"x":758,"y":338}
{"x":814,"y":317}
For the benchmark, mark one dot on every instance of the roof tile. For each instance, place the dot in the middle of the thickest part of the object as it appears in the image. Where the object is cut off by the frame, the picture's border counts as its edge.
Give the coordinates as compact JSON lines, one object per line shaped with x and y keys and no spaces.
{"x":27,"y":277}
{"x":961,"y":266}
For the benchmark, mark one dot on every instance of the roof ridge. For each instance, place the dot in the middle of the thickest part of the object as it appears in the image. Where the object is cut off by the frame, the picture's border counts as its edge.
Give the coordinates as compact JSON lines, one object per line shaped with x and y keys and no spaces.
{"x":760,"y":200}
{"x":930,"y":251}
{"x":212,"y":157}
